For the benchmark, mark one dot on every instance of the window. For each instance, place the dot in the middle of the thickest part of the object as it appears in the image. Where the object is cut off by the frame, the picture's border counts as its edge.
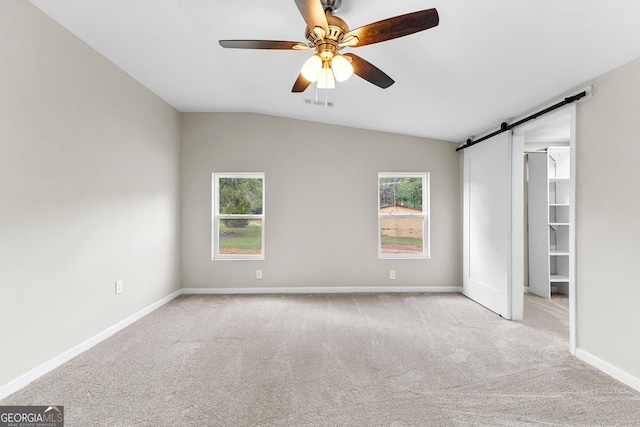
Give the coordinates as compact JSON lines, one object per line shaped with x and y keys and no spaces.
{"x":238,"y":216}
{"x":403,"y":215}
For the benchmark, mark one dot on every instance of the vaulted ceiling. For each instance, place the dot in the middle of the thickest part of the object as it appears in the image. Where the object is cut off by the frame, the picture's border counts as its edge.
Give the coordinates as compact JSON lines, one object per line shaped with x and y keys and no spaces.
{"x":486,"y":61}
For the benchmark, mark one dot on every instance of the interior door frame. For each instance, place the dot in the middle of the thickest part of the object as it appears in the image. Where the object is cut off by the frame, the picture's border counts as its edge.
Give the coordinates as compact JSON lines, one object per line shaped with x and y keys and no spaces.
{"x":520,"y":132}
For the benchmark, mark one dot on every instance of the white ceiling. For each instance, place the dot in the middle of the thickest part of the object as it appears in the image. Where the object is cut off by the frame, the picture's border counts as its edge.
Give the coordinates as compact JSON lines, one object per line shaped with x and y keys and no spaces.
{"x":486,"y":62}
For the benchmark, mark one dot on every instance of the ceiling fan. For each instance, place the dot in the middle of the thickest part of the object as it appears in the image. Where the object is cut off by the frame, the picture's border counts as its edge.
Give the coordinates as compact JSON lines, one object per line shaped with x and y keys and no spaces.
{"x":327,"y":34}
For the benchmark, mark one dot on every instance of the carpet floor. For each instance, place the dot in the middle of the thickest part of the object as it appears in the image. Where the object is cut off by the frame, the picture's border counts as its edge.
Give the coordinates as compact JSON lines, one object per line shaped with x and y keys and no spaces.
{"x":336,"y":360}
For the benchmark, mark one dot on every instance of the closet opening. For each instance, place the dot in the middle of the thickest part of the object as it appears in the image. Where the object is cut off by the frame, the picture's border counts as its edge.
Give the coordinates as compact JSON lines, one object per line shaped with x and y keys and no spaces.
{"x":549,"y":211}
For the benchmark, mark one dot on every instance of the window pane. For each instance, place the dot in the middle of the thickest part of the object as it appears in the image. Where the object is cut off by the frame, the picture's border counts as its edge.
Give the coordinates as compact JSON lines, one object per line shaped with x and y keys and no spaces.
{"x":240,"y":196}
{"x":240,"y":236}
{"x":401,"y":235}
{"x":400,"y":195}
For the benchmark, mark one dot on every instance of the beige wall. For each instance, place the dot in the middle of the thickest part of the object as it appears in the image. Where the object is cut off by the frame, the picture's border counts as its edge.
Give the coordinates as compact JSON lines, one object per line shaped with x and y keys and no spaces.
{"x":88,"y":192}
{"x":321,"y":202}
{"x":608,"y":209}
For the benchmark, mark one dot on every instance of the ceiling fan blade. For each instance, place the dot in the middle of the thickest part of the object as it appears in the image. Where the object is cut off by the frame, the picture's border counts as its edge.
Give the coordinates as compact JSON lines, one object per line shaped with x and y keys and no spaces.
{"x":300,"y":85}
{"x":262,"y":44}
{"x":369,"y":72}
{"x":313,"y":14}
{"x":398,"y":26}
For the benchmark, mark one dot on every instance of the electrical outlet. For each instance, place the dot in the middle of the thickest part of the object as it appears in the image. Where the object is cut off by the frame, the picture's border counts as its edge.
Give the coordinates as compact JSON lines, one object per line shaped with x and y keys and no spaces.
{"x":118,"y":287}
{"x":258,"y":274}
{"x":392,"y":274}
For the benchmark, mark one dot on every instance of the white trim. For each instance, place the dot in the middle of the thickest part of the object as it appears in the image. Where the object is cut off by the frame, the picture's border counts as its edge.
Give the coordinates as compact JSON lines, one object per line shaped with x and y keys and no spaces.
{"x":25,"y":379}
{"x":606,"y":367}
{"x":425,"y":215}
{"x":570,"y":112}
{"x":216,"y":216}
{"x":573,"y":221}
{"x":515,"y":289}
{"x":324,"y":290}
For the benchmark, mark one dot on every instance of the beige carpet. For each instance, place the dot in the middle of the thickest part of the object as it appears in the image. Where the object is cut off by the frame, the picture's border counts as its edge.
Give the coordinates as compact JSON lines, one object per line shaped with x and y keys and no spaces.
{"x":336,"y":360}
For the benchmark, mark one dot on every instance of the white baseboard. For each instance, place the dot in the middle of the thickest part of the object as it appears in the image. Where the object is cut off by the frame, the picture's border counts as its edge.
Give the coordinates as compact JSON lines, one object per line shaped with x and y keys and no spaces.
{"x":20,"y":382}
{"x":606,"y":367}
{"x":34,"y":374}
{"x":322,"y":290}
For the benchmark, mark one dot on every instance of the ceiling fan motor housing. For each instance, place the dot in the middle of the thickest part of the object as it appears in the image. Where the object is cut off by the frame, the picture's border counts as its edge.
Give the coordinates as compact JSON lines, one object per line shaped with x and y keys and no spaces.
{"x":337,"y":29}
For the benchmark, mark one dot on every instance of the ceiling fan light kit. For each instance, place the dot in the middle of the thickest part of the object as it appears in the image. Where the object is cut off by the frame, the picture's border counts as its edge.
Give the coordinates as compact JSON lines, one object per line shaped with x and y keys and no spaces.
{"x":327,"y":34}
{"x":311,"y":68}
{"x":342,"y":68}
{"x":319,"y":64}
{"x":326,"y":79}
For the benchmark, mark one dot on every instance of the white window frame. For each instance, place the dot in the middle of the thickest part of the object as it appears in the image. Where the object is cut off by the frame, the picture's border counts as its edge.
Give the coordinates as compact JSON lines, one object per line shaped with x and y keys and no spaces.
{"x":426,"y":223}
{"x":216,"y":216}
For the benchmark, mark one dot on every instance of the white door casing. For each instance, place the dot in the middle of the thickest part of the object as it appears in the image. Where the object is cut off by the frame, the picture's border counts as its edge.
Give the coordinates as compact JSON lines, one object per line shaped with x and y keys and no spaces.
{"x":551,"y":127}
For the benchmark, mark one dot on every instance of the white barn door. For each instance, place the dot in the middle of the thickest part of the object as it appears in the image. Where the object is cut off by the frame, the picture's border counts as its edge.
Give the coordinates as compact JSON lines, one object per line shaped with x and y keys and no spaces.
{"x":493,"y":230}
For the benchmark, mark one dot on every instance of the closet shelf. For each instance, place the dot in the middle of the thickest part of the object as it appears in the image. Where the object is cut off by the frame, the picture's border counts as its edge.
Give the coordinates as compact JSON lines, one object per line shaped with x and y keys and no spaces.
{"x":549,"y":192}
